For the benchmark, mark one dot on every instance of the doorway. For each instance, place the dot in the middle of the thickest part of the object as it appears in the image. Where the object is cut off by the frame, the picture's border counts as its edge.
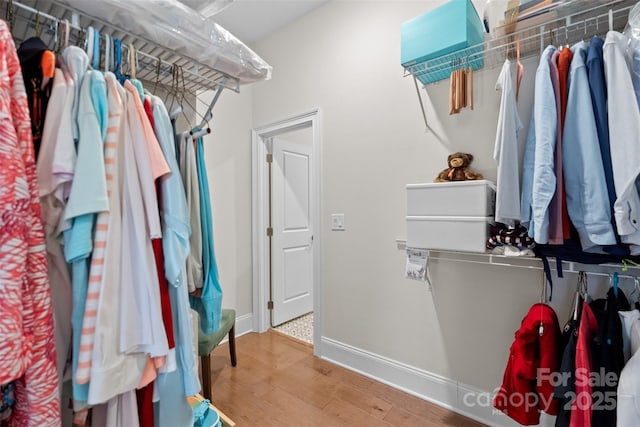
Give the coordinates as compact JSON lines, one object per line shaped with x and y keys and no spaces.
{"x":287,"y":244}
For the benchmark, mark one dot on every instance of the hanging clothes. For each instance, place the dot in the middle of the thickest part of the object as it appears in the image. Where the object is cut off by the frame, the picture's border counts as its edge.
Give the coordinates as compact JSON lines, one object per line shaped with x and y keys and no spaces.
{"x":533,"y":357}
{"x":27,"y":355}
{"x":88,"y":197}
{"x":38,"y":64}
{"x":558,"y":202}
{"x":172,"y":409}
{"x":209,"y":303}
{"x":607,"y":353}
{"x":538,"y":170}
{"x":628,"y":393}
{"x":55,"y":169}
{"x":598,"y":88}
{"x":587,"y":200}
{"x":189,"y":172}
{"x":107,"y":224}
{"x":624,"y":138}
{"x":565,"y":391}
{"x":111,"y":371}
{"x":506,"y":152}
{"x":581,"y":407}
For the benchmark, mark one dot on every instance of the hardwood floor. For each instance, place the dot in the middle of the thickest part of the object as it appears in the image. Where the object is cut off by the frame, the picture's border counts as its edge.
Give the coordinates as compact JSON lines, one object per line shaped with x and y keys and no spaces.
{"x":278,"y":382}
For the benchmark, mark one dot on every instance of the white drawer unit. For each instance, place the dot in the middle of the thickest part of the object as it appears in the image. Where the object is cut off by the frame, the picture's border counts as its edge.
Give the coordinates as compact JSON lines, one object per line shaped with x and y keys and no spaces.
{"x":460,"y":198}
{"x":452,"y":233}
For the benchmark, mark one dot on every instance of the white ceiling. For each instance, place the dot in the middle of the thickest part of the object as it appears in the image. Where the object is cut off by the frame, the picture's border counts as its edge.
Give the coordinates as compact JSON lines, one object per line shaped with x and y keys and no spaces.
{"x":253,"y":20}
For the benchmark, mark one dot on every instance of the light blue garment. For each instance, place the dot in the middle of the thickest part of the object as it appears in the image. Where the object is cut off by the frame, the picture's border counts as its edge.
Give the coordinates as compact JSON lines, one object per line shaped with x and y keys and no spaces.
{"x":175,"y":247}
{"x":138,"y":85}
{"x":209,"y":305}
{"x":77,"y":63}
{"x":528,"y":164}
{"x":175,"y":215}
{"x":172,"y":410}
{"x":546,"y":128}
{"x":635,"y":71}
{"x":89,"y":197}
{"x":585,"y":184}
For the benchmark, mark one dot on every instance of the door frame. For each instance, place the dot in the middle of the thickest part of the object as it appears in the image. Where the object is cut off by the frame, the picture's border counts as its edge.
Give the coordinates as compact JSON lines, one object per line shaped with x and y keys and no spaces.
{"x":260,"y":140}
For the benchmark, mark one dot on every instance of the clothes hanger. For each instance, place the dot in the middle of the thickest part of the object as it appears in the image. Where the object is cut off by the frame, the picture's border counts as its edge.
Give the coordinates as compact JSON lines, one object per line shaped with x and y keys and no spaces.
{"x":9,"y":16}
{"x":88,"y":44}
{"x":155,"y":85}
{"x":117,"y":46}
{"x":96,"y":49}
{"x":37,"y":26}
{"x":108,"y":53}
{"x":613,"y":282}
{"x":543,"y":300}
{"x":581,"y":291}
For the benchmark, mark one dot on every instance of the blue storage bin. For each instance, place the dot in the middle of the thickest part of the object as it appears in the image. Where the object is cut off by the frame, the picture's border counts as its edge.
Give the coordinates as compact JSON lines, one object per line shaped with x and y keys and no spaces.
{"x":442,"y":31}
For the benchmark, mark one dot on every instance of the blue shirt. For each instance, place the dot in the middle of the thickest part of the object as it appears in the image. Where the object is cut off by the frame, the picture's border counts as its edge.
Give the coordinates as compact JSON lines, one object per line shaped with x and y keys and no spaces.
{"x":175,"y":248}
{"x":528,"y":163}
{"x":598,"y":89}
{"x":586,"y":189}
{"x":545,"y":127}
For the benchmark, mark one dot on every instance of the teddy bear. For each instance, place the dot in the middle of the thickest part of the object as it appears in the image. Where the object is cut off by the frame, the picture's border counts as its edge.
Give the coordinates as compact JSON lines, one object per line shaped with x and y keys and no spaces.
{"x":458,"y":169}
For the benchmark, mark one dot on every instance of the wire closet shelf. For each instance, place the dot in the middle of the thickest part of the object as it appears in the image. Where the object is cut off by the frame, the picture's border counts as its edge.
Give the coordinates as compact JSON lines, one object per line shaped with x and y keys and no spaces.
{"x":568,"y":23}
{"x":155,"y":65}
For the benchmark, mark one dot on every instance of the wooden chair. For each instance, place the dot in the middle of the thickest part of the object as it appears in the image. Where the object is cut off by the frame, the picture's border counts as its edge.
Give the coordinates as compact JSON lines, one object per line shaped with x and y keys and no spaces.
{"x":206,"y":344}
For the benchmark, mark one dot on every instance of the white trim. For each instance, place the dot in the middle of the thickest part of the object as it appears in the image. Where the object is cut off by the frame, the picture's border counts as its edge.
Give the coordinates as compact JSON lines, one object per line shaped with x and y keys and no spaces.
{"x":434,"y":388}
{"x":244,"y":324}
{"x":259,"y":188}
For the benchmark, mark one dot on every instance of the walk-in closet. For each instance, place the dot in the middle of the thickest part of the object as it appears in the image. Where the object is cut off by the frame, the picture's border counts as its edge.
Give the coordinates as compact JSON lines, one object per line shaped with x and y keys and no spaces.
{"x":219,"y":213}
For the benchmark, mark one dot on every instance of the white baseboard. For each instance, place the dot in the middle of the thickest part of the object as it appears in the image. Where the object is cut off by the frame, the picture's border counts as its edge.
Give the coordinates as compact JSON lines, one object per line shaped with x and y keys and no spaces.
{"x":458,"y":397}
{"x":244,"y":324}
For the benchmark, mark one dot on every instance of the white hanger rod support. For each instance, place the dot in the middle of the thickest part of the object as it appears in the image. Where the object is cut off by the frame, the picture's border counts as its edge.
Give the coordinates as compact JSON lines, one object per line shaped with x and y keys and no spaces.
{"x":208,"y":115}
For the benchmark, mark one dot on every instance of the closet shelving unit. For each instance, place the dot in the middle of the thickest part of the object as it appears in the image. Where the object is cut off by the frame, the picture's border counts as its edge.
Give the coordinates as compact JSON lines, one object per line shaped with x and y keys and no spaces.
{"x":526,"y":262}
{"x":567,"y":23}
{"x":156,"y":66}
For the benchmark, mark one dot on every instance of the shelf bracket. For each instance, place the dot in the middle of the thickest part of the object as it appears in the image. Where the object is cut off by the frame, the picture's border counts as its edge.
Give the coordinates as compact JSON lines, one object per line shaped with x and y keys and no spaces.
{"x":424,"y":114}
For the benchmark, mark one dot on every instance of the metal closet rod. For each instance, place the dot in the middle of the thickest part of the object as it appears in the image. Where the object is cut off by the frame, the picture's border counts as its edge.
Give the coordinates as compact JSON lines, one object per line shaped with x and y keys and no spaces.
{"x":192,"y":75}
{"x":512,"y":262}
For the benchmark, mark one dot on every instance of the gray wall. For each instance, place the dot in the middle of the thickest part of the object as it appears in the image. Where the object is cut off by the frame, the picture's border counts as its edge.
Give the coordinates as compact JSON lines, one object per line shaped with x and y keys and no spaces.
{"x":344,"y":58}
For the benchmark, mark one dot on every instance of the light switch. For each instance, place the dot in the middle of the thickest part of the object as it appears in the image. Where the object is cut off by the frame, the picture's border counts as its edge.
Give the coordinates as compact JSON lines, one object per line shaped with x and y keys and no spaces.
{"x":337,"y":222}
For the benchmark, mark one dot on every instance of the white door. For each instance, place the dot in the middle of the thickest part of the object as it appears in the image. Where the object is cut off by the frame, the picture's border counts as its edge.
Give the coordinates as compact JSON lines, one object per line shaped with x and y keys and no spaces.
{"x":292,"y":242}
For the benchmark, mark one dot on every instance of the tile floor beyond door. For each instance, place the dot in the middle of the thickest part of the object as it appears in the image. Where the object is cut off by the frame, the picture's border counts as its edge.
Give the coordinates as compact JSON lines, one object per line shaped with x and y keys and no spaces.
{"x":300,"y":328}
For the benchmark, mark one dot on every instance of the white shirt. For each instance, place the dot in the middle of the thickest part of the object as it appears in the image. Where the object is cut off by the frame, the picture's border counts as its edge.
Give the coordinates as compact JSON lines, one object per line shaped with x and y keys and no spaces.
{"x":628,"y":406}
{"x":112,"y":371}
{"x":506,"y":152}
{"x":140,"y":295}
{"x":55,"y":171}
{"x":624,"y":137}
{"x":189,"y":171}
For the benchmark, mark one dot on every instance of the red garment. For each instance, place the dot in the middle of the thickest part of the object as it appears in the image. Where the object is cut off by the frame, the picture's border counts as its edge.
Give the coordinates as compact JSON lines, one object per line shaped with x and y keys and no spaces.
{"x":165,"y":301}
{"x":145,"y":405}
{"x":581,"y":407}
{"x":526,"y":387}
{"x":27,"y":351}
{"x":564,"y":63}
